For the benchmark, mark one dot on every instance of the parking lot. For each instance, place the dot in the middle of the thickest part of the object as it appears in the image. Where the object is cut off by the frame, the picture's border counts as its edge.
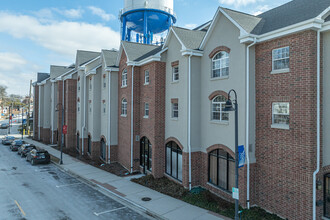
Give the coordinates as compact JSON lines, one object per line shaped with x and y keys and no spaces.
{"x":46,"y":192}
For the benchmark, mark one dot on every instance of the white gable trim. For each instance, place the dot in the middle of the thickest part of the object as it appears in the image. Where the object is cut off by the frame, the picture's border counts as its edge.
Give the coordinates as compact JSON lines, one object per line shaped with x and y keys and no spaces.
{"x":324,"y":14}
{"x":210,"y":30}
{"x":177,"y":37}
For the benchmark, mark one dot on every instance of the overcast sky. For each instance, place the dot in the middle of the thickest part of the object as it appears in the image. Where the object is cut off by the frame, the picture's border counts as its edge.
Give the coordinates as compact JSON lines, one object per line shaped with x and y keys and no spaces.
{"x":37,"y":33}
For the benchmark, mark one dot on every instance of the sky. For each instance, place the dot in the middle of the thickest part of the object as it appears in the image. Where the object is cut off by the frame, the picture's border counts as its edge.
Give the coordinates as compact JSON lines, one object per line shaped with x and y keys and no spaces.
{"x":35,"y":34}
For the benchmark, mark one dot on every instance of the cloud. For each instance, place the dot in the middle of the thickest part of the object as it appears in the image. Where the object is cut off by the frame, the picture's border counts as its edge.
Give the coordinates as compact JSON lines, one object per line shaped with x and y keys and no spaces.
{"x":238,"y":3}
{"x":9,"y":61}
{"x":260,"y":9}
{"x":190,"y":26}
{"x":70,"y":13}
{"x":62,"y":37}
{"x":101,"y":13}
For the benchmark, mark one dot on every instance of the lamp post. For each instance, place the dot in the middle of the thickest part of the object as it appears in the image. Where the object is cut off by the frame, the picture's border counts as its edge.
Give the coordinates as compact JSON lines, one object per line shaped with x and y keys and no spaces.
{"x":22,"y":121}
{"x":229,"y":107}
{"x":62,"y":135}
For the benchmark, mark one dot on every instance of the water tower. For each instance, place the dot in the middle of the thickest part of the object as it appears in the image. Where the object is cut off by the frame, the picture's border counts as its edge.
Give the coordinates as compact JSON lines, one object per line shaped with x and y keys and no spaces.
{"x":144,"y":19}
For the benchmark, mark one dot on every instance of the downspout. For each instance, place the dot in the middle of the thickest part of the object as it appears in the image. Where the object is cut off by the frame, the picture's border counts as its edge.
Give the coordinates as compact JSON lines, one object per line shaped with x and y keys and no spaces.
{"x":63,"y":111}
{"x":247,"y":124}
{"x":84,"y":119}
{"x":53,"y":108}
{"x":109,"y":117}
{"x":132,"y":120}
{"x":39,"y":118}
{"x":189,"y":116}
{"x":318,"y":123}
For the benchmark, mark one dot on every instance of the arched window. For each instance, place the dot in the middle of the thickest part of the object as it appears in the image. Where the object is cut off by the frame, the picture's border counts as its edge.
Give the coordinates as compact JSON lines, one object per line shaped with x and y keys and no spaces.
{"x":221,"y":169}
{"x":174,"y":160}
{"x":89,"y":144}
{"x":124,"y":78}
{"x":217,"y":113}
{"x":102,"y":149}
{"x":124,"y":107}
{"x":327,"y":195}
{"x":220,"y":65}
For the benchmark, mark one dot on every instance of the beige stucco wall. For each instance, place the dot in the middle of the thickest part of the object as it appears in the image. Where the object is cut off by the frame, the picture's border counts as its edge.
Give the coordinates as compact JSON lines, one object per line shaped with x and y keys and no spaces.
{"x":326,"y":100}
{"x":41,"y":104}
{"x":176,"y":127}
{"x":224,"y":34}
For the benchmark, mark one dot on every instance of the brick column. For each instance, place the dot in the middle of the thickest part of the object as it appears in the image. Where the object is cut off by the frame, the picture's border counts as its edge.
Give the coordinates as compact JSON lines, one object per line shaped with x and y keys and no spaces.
{"x":70,"y":112}
{"x":59,"y":112}
{"x":35,"y":112}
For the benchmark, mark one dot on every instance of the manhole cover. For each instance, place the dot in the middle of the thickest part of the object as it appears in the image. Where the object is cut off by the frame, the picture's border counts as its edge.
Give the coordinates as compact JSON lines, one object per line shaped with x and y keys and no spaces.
{"x":146,"y":199}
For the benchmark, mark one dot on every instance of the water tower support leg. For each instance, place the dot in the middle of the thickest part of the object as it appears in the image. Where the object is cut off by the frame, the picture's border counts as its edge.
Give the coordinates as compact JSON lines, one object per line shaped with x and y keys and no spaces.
{"x":145,"y":28}
{"x":124,"y":29}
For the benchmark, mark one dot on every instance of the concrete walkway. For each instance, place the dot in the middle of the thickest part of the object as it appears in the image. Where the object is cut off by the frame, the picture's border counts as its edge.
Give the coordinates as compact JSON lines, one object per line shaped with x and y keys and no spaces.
{"x":161,"y":206}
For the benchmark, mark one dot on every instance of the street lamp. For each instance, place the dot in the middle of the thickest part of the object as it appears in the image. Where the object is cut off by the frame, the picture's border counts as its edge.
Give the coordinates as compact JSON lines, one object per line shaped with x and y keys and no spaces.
{"x":62,"y":135}
{"x":230,"y":107}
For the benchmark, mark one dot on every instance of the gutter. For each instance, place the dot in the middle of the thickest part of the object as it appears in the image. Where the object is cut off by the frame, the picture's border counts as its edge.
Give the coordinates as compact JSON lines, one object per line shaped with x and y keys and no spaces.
{"x":39,"y":118}
{"x":247,"y":124}
{"x":189,"y":116}
{"x":62,"y":112}
{"x":318,"y":136}
{"x":84,"y":120}
{"x":53,"y":113}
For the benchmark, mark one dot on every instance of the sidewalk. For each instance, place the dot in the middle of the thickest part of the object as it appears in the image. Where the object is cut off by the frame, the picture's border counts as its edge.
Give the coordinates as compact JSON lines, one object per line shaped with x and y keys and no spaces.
{"x":161,"y":206}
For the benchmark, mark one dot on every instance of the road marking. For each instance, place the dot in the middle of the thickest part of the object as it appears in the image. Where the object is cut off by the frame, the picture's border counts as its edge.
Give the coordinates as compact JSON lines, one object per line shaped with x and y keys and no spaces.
{"x":20,"y":208}
{"x":73,"y":184}
{"x":113,"y":210}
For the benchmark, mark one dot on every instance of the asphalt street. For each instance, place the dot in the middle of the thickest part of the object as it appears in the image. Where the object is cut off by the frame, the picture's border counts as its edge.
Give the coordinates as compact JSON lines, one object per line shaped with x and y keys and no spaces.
{"x":45,"y":192}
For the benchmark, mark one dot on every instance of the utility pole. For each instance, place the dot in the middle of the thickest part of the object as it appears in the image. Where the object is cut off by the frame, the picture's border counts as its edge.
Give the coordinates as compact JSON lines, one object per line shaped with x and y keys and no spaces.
{"x":28,"y":114}
{"x":9,"y":120}
{"x":22,"y":121}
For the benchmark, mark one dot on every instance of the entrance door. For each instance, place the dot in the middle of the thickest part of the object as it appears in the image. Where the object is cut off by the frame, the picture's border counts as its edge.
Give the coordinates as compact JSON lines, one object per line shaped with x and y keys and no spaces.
{"x":145,"y":154}
{"x":327,"y":196}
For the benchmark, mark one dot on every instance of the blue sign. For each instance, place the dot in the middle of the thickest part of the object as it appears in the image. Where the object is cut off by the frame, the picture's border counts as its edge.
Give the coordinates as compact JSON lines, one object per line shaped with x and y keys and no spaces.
{"x":241,"y":156}
{"x":24,"y":121}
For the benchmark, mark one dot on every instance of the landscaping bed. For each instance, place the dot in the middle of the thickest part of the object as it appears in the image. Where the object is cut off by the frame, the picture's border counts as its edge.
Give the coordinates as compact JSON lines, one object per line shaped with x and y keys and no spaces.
{"x":202,"y":198}
{"x":114,"y":168}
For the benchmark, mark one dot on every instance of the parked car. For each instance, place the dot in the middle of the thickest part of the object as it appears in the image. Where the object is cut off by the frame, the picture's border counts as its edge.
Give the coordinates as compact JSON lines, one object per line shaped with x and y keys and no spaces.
{"x":25,"y":148}
{"x":16,"y":144}
{"x":4,"y":125}
{"x":36,"y":156}
{"x":7,"y":140}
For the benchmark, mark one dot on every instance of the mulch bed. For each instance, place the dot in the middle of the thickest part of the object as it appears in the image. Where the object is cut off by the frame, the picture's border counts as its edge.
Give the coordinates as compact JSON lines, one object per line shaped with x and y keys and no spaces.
{"x":202,"y":198}
{"x":114,"y":168}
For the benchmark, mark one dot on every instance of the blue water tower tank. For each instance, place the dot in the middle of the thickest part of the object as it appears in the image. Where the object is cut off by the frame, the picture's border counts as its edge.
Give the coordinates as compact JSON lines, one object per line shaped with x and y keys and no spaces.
{"x":144,"y":19}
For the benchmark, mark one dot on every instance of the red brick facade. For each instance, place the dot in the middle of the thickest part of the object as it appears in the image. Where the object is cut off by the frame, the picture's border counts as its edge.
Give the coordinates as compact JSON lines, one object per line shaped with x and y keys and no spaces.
{"x":286,"y":159}
{"x":59,"y":110}
{"x":36,"y":113}
{"x":70,"y":112}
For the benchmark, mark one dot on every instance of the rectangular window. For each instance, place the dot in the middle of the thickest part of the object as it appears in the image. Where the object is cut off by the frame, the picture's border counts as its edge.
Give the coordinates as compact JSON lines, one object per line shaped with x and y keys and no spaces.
{"x":146,"y":110}
{"x":104,"y":107}
{"x":175,"y":110}
{"x":281,"y":114}
{"x":90,"y":83}
{"x":104,"y":82}
{"x":79,"y":86}
{"x":146,"y":77}
{"x":124,"y":78}
{"x":175,"y":73}
{"x":281,"y":58}
{"x":78,"y":106}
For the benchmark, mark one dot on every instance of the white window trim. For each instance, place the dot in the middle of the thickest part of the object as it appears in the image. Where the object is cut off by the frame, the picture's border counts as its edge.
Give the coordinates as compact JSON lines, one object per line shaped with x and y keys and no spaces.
{"x":280,"y":126}
{"x":121,"y":108}
{"x":145,"y":77}
{"x":213,"y":60}
{"x":221,"y":121}
{"x":284,"y":70}
{"x":178,"y":73}
{"x":172,"y":110}
{"x":145,"y":110}
{"x":123,"y":81}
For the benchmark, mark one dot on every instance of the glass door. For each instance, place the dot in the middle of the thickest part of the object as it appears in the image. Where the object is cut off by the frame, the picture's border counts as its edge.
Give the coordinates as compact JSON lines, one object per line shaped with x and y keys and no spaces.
{"x":327,"y":196}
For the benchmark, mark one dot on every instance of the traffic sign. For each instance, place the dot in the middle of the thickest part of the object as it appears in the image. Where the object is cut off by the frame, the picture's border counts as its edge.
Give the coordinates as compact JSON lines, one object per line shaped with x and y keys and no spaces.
{"x":235,"y":193}
{"x":65,"y":129}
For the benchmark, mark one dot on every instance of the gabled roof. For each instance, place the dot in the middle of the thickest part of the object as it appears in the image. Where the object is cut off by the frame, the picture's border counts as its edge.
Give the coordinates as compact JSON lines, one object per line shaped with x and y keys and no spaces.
{"x":56,"y":71}
{"x":42,"y":76}
{"x":191,"y":39}
{"x":293,"y":12}
{"x":149,"y":54}
{"x":136,"y":50}
{"x":85,"y":56}
{"x":246,"y":21}
{"x":110,"y":57}
{"x":203,"y":27}
{"x":327,"y":19}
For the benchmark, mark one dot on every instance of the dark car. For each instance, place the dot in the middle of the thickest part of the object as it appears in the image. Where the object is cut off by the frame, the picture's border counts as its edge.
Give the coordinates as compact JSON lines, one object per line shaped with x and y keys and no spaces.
{"x":4,"y":125}
{"x":16,"y":144}
{"x":36,"y":156}
{"x":7,"y":140}
{"x":25,"y":148}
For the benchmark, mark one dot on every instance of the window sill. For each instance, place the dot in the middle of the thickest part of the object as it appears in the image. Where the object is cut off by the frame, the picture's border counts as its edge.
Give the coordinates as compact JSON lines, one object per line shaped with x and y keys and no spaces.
{"x":146,"y":117}
{"x":287,"y":70}
{"x":123,"y":116}
{"x":219,"y":122}
{"x":277,"y":126}
{"x":219,"y":188}
{"x":174,"y":119}
{"x":219,"y":78}
{"x":174,"y":82}
{"x":145,"y":84}
{"x":173,"y":178}
{"x":123,"y":86}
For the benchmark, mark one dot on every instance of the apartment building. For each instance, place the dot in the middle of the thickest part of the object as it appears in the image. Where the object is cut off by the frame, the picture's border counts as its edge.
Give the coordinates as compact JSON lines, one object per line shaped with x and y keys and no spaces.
{"x":159,"y":109}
